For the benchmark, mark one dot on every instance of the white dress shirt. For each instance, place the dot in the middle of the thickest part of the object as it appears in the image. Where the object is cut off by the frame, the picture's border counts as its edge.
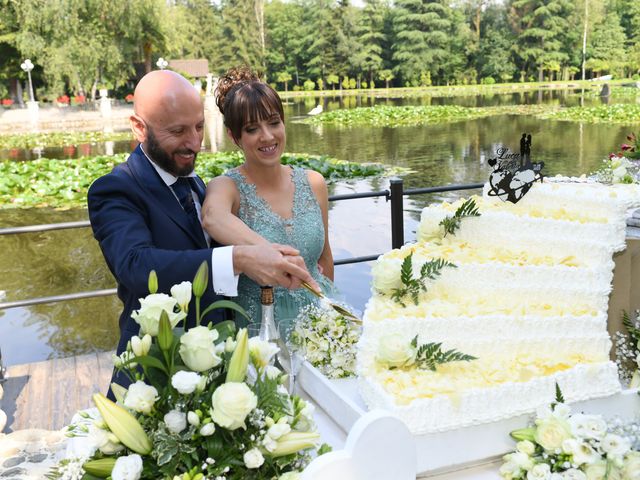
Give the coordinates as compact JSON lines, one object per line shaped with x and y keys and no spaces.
{"x":224,"y":281}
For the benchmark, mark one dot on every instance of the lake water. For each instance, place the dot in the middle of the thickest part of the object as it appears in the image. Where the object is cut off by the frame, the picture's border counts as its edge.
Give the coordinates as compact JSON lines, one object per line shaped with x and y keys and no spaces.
{"x":66,"y":261}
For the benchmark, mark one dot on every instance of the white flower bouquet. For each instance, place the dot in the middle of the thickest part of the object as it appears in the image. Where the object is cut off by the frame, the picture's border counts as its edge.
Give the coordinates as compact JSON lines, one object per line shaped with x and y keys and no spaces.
{"x":565,"y":446}
{"x":328,"y":339}
{"x":204,"y":403}
{"x":628,"y":350}
{"x":617,"y":169}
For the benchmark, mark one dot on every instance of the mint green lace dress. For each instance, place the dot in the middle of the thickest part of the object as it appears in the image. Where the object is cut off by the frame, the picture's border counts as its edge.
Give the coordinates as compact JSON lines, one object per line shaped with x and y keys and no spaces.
{"x":303,"y":231}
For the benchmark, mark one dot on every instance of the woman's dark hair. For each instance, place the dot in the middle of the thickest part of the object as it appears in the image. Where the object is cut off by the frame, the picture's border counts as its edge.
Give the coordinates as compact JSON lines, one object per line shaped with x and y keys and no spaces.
{"x":243,"y":98}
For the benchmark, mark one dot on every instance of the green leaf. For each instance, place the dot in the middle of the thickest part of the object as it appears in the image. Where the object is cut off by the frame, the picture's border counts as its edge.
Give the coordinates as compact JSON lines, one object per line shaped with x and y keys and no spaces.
{"x":165,"y":334}
{"x":225,"y":329}
{"x":559,"y":397}
{"x":430,"y":355}
{"x":226,"y":304}
{"x":452,"y":223}
{"x":152,"y":362}
{"x":413,"y":286}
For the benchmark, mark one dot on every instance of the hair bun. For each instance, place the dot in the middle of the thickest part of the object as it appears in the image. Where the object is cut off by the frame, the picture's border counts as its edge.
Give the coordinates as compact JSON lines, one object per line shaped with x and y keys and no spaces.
{"x":234,"y":77}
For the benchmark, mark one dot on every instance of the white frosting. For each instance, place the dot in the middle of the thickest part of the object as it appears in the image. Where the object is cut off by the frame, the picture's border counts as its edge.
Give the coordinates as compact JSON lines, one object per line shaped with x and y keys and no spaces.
{"x":491,"y":404}
{"x":529,"y":299}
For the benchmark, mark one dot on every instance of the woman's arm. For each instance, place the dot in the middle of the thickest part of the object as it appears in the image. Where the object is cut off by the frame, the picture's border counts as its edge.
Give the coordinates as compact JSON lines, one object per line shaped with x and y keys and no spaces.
{"x":218,"y":215}
{"x":319,"y":187}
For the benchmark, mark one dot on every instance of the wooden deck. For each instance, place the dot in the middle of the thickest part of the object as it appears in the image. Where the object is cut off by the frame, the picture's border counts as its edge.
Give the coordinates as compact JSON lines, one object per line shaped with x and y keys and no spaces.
{"x":47,"y":394}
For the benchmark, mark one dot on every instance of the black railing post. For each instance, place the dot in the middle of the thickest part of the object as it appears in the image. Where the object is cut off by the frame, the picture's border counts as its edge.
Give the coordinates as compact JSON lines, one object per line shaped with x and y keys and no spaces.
{"x":397,"y":212}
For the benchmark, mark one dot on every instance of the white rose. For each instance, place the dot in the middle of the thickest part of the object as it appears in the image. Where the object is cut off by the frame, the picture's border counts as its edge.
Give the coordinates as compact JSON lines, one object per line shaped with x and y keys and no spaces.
{"x":197,"y":349}
{"x":261,"y":352}
{"x":550,"y":433}
{"x":182,"y":294}
{"x":140,"y":397}
{"x":588,"y":426}
{"x":429,"y":229}
{"x":185,"y":382}
{"x":395,"y":351}
{"x":127,"y":468}
{"x":151,"y":307}
{"x":541,"y":471}
{"x":253,"y":458}
{"x":385,"y":274}
{"x":573,"y":474}
{"x":631,"y":469}
{"x":526,"y":447}
{"x":290,"y":476}
{"x":207,"y":429}
{"x":176,"y":421}
{"x":231,"y":403}
{"x":596,"y":471}
{"x":615,"y":445}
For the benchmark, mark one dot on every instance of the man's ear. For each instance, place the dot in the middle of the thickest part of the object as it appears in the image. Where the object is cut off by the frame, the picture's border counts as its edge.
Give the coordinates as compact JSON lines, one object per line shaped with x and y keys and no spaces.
{"x":138,"y":127}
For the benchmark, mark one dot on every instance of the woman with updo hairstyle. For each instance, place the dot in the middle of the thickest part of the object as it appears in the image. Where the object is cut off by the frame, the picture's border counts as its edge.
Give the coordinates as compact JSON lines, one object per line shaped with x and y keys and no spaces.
{"x":263,"y":200}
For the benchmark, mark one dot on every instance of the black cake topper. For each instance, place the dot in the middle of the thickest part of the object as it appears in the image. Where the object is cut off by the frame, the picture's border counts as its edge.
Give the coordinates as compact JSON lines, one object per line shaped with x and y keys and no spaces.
{"x":513,"y":173}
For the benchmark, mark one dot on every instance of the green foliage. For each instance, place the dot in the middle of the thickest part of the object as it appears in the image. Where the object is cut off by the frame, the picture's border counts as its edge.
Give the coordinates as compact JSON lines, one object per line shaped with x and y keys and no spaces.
{"x":58,"y":139}
{"x":309,"y":85}
{"x":430,"y":355}
{"x":64,"y":183}
{"x":414,"y":286}
{"x":617,"y":113}
{"x":559,"y":396}
{"x":633,"y":331}
{"x":452,"y":223}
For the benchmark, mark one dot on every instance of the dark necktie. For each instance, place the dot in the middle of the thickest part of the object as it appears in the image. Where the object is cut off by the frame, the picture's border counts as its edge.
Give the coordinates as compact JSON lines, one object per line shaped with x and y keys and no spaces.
{"x":182,"y":189}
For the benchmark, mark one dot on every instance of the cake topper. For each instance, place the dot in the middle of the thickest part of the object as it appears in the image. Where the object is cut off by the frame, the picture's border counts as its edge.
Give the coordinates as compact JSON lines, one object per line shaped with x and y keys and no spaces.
{"x":513,"y":173}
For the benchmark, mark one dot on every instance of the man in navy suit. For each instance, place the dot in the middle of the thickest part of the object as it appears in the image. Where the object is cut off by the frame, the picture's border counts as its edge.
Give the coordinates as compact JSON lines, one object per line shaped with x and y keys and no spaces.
{"x":141,"y":224}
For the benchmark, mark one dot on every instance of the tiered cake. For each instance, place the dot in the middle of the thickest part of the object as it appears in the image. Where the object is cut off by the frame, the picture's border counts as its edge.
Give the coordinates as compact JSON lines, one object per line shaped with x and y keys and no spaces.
{"x":525,"y":291}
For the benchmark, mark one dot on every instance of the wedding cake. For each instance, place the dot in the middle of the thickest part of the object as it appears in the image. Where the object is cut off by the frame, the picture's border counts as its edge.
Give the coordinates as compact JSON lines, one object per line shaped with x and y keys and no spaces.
{"x":495,"y":304}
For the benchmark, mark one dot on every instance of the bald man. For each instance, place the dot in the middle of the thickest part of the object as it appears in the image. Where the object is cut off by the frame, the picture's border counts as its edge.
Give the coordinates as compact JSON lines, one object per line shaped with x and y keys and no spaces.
{"x":142,"y":223}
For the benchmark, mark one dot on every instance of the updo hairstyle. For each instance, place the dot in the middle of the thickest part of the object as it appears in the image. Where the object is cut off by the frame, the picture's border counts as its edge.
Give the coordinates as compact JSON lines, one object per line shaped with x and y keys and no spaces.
{"x":243,"y":98}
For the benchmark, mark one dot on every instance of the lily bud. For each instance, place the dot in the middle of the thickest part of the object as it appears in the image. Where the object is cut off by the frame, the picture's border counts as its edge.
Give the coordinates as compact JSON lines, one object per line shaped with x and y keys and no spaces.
{"x":201,"y":280}
{"x":524,"y":434}
{"x":239,"y":359}
{"x":193,"y":419}
{"x":165,"y":333}
{"x":293,"y":442}
{"x":153,"y":281}
{"x":119,"y":392}
{"x":100,"y":468}
{"x":136,"y":346}
{"x":123,"y":425}
{"x":208,"y":429}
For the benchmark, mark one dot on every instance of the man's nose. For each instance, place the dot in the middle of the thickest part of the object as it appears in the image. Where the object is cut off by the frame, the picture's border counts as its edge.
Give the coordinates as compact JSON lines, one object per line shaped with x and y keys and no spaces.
{"x":193,"y":140}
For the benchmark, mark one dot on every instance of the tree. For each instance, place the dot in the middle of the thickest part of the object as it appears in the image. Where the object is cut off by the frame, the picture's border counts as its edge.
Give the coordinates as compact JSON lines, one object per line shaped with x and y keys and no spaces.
{"x":606,"y":52}
{"x":421,"y":37}
{"x":543,"y":32}
{"x":240,"y":43}
{"x":285,"y":78}
{"x":320,"y":38}
{"x":284,"y":30}
{"x":495,"y":57}
{"x":386,"y":76}
{"x":371,"y":37}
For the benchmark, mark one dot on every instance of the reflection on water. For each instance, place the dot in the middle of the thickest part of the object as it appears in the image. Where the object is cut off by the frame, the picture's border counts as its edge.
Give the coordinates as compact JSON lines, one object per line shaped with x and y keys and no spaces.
{"x":68,"y":261}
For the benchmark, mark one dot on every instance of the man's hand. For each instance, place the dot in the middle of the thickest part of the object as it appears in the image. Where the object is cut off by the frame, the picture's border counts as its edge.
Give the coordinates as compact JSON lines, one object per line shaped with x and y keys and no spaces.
{"x":272,"y":264}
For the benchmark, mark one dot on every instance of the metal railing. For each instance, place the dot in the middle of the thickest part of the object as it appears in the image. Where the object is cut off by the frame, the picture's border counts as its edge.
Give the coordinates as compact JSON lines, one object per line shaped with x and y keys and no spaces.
{"x":395,"y":195}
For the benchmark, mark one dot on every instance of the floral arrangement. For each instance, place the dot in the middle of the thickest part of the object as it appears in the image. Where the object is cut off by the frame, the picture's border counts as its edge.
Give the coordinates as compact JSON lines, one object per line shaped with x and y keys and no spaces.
{"x":628,"y":350}
{"x":618,"y":168}
{"x":7,"y":102}
{"x":79,"y":99}
{"x":129,"y":98}
{"x":204,"y":403}
{"x":565,"y":446}
{"x":63,"y":99}
{"x":396,"y":278}
{"x":328,"y":339}
{"x":395,"y":352}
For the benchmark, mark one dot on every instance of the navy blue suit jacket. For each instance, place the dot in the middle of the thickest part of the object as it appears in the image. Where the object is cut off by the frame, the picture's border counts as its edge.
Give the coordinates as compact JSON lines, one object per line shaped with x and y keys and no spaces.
{"x":141,"y":226}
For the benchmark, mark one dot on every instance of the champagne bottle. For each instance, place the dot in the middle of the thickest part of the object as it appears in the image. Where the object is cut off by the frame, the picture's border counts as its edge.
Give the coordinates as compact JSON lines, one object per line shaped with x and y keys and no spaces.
{"x":268,"y":330}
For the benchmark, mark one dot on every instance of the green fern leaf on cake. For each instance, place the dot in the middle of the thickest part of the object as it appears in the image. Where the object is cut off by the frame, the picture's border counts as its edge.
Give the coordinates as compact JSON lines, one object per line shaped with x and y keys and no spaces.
{"x":452,"y":222}
{"x":413,"y":286}
{"x":430,"y":355}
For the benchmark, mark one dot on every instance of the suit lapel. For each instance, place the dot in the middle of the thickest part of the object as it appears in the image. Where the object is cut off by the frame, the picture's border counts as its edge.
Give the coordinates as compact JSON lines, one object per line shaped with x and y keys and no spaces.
{"x":150,"y":181}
